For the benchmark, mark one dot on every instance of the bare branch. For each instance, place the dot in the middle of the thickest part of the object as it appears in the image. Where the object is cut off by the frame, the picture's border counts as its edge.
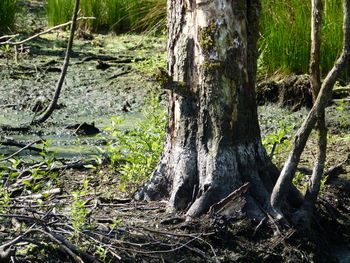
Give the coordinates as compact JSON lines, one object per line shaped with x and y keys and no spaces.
{"x":19,"y":151}
{"x":8,"y":42}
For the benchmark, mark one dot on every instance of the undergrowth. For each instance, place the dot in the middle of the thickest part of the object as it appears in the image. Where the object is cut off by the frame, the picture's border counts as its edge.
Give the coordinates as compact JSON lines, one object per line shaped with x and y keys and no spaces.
{"x":136,"y":151}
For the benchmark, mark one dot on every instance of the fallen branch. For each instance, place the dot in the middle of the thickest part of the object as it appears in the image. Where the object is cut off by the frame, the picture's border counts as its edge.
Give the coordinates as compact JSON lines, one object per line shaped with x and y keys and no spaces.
{"x":8,"y":248}
{"x":19,"y":151}
{"x":8,"y":42}
{"x":14,"y":129}
{"x":8,"y":36}
{"x":341,"y":100}
{"x":8,"y":105}
{"x":224,"y":205}
{"x":16,"y":144}
{"x":53,"y":191}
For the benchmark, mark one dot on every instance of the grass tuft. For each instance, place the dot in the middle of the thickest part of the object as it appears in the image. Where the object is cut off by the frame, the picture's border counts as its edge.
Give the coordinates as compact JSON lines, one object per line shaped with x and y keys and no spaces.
{"x":285,"y":35}
{"x":285,"y":27}
{"x":8,"y":9}
{"x":116,"y":15}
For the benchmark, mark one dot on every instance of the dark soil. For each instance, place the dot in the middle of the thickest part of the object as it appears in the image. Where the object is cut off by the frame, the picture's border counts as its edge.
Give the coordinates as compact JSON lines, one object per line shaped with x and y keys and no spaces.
{"x":292,"y":92}
{"x":146,"y":232}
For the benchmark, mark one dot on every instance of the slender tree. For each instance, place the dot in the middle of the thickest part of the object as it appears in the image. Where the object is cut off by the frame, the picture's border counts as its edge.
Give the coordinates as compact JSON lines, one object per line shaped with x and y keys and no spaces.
{"x":60,"y":81}
{"x":316,"y":114}
{"x":306,"y":210}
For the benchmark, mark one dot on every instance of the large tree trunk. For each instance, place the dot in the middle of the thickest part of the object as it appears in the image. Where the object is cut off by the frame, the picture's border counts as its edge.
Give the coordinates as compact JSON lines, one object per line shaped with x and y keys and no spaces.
{"x":213,"y":142}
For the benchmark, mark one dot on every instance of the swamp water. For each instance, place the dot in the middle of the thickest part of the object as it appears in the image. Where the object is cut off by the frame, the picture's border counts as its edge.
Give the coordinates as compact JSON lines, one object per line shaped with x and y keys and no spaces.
{"x":103,"y":81}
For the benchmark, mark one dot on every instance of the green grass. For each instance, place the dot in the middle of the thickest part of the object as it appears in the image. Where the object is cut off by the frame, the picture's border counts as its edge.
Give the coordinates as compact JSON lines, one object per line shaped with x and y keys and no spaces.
{"x":59,"y":11}
{"x":285,"y":27}
{"x":285,"y":35}
{"x":7,"y":14}
{"x":116,"y":15}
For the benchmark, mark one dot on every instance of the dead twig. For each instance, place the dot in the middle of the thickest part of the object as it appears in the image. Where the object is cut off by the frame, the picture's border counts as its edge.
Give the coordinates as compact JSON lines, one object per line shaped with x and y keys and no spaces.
{"x":261,"y":223}
{"x":8,"y":42}
{"x":16,"y":144}
{"x":176,"y":234}
{"x":225,"y":203}
{"x":19,"y":151}
{"x":8,"y":36}
{"x":54,"y":191}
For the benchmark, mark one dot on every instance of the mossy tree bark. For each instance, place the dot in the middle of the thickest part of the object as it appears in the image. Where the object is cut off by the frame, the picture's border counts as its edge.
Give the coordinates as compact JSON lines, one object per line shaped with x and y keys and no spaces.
{"x":213,"y":142}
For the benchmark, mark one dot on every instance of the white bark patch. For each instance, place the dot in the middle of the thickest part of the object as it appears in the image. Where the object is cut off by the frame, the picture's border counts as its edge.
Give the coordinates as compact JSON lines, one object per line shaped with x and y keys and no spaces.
{"x":177,"y":116}
{"x":201,"y":18}
{"x":203,"y":2}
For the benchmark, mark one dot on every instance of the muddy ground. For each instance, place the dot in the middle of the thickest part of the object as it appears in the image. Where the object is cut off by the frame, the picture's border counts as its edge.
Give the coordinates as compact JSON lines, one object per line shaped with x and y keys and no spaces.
{"x":86,"y":212}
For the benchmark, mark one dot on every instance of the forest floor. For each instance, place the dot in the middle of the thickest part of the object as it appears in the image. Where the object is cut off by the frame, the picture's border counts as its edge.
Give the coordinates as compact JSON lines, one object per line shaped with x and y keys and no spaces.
{"x":69,"y":208}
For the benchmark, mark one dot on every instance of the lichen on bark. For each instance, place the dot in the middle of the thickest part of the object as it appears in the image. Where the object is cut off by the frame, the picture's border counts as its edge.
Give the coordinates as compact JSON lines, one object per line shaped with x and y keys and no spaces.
{"x":207,"y":37}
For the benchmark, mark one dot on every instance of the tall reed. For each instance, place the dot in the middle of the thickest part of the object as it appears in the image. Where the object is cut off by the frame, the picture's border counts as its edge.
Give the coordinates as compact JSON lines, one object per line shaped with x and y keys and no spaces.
{"x":116,"y":15}
{"x":285,"y":27}
{"x":59,"y":11}
{"x":285,"y":35}
{"x":8,"y":10}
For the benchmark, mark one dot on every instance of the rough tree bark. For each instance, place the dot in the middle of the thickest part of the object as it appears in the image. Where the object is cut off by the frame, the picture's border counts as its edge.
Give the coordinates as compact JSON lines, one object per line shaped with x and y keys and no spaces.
{"x":213,"y":142}
{"x":282,"y":186}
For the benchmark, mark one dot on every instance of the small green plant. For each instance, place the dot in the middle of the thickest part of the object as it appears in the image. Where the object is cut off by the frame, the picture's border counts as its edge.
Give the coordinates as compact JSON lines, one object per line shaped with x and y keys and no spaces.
{"x":6,"y":51}
{"x":279,"y":142}
{"x":343,"y":118}
{"x":299,"y":181}
{"x":78,"y":208}
{"x":137,"y":150}
{"x":102,"y":252}
{"x":34,"y":183}
{"x":151,"y":65}
{"x":323,"y":182}
{"x":5,"y":198}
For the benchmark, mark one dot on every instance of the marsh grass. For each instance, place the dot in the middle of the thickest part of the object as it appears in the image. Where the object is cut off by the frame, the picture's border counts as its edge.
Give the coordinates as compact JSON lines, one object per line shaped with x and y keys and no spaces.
{"x":285,"y":27}
{"x":116,"y":15}
{"x":59,"y":11}
{"x":148,"y":15}
{"x":285,"y":35}
{"x":8,"y":9}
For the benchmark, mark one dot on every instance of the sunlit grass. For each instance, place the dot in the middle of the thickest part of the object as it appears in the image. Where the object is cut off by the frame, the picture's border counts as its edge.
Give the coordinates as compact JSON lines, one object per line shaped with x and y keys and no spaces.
{"x":7,"y":14}
{"x":285,"y":35}
{"x":116,"y":15}
{"x":285,"y":27}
